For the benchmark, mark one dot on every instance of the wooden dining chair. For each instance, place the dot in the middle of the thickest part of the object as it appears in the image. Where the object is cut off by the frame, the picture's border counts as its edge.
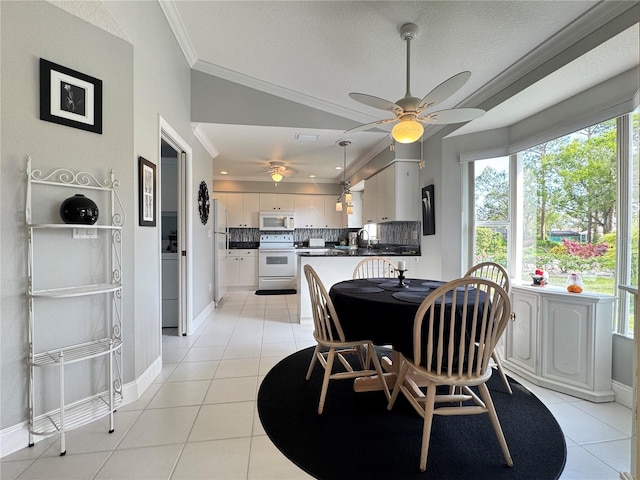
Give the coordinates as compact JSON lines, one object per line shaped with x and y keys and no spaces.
{"x":497,"y":273}
{"x":329,"y":335}
{"x":458,"y":356}
{"x":375,"y":267}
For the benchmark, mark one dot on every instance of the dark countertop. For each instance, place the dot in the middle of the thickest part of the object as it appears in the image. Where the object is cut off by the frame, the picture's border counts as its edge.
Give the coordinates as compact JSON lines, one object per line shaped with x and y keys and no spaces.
{"x":243,"y":245}
{"x":397,"y":251}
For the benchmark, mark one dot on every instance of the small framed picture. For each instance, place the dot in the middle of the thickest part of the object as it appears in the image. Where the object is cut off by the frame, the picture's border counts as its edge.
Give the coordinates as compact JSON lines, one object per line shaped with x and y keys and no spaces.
{"x":70,"y":98}
{"x":428,"y":211}
{"x":147,"y":193}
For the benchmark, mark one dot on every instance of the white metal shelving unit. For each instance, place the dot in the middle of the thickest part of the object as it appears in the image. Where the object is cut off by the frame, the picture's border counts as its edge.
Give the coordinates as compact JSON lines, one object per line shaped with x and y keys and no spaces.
{"x":72,"y":414}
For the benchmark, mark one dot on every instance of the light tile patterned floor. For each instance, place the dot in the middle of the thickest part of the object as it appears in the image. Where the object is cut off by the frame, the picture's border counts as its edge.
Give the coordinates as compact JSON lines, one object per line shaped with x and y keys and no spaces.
{"x":198,"y":420}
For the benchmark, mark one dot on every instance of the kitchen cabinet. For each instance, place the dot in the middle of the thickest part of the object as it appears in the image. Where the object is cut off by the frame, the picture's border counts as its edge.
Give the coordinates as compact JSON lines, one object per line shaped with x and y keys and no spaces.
{"x":242,"y":210}
{"x":283,"y":202}
{"x":74,"y":291}
{"x":309,"y":211}
{"x":242,"y":268}
{"x":355,"y":219}
{"x":369,"y":202}
{"x":393,"y":194}
{"x":333,"y":219}
{"x":562,"y":341}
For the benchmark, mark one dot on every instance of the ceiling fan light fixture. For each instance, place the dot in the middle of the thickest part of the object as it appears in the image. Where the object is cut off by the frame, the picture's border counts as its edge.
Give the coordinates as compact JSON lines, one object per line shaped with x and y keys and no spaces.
{"x":276,"y":177}
{"x":407,"y":131}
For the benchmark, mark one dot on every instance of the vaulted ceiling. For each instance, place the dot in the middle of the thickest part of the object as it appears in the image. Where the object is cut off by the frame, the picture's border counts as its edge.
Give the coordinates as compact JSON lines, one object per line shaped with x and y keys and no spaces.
{"x":316,"y":52}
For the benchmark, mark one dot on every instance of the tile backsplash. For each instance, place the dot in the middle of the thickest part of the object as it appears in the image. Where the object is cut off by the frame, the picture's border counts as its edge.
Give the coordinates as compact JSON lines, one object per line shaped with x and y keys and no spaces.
{"x":393,"y":233}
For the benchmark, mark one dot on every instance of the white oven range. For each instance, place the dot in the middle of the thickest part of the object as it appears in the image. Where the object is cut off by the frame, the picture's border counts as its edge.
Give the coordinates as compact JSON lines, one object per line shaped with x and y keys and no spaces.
{"x":277,"y":262}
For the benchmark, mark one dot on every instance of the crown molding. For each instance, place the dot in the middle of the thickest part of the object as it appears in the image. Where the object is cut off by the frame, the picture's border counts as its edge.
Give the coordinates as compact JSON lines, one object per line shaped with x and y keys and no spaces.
{"x":206,"y":142}
{"x":282,"y":92}
{"x":568,"y":44}
{"x":170,"y":11}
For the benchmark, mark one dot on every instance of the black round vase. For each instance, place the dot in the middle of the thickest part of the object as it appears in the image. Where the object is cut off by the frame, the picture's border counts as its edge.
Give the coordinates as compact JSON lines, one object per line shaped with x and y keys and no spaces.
{"x":79,"y":209}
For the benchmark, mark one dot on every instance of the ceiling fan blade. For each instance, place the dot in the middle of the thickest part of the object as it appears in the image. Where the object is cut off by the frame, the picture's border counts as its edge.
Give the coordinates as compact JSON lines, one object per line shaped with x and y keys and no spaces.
{"x":376,"y":102}
{"x":454,"y":115}
{"x":368,"y":126}
{"x":444,"y":90}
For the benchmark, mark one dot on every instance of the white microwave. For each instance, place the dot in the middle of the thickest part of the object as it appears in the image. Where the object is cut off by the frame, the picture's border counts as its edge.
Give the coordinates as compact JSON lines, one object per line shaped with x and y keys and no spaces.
{"x":276,"y":221}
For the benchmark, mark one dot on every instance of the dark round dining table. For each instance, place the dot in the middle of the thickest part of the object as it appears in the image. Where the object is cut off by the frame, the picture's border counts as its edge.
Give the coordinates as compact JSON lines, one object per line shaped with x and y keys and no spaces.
{"x":380,"y":310}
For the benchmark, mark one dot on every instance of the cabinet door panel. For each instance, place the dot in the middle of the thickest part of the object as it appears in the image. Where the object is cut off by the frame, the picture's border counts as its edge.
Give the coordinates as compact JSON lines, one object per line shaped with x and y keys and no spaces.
{"x":369,"y":202}
{"x":285,"y":202}
{"x":567,"y":342}
{"x":301,"y":211}
{"x":251,"y":208}
{"x":522,"y":333}
{"x":268,"y":201}
{"x":316,"y":211}
{"x":333,"y":219}
{"x":235,"y":209}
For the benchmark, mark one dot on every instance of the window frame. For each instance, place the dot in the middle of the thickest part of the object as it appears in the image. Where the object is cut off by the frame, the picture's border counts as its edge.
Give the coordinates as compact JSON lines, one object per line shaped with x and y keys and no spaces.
{"x":624,"y":227}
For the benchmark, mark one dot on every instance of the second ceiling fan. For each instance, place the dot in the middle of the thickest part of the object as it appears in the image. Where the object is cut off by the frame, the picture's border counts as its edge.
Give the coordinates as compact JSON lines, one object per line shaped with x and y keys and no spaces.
{"x":409,"y":110}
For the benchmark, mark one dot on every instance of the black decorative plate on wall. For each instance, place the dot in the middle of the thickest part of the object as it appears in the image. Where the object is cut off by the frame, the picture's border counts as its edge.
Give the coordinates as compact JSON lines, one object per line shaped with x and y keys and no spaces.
{"x":203,"y":202}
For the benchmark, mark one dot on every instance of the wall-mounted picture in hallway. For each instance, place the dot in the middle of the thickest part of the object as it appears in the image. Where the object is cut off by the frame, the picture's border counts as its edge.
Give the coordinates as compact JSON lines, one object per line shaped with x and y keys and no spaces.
{"x":147,"y":193}
{"x":428,"y":211}
{"x":70,"y":98}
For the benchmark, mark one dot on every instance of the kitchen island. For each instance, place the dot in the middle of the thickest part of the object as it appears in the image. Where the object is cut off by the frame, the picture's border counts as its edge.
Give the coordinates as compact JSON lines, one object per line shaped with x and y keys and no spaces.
{"x":334,"y":265}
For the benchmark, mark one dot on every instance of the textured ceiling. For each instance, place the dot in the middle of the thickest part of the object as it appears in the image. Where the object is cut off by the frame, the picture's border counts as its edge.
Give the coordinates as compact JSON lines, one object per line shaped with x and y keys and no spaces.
{"x":316,"y":52}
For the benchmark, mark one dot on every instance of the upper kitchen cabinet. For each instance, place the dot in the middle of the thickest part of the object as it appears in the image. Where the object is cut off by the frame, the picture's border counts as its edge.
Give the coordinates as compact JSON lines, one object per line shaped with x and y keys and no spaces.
{"x":309,"y":211}
{"x":242,"y":210}
{"x":333,"y":219}
{"x":283,"y":202}
{"x":393,"y":194}
{"x":355,"y":219}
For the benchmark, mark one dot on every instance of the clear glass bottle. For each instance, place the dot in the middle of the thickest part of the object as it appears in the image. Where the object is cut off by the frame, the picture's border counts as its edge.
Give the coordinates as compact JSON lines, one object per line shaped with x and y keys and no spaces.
{"x":574,"y":283}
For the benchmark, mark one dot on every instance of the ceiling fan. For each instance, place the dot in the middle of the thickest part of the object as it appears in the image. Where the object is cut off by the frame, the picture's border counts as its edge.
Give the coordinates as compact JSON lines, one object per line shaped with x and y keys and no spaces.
{"x":278,"y":170}
{"x":409,"y":110}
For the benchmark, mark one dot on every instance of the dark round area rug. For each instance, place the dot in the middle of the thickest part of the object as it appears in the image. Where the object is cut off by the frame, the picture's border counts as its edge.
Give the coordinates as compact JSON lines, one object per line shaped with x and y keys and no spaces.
{"x":356,"y":437}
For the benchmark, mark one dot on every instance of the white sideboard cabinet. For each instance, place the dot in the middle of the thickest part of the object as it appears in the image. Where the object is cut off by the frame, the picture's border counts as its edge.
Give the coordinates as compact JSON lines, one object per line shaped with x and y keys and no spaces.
{"x":74,"y":292}
{"x":561,"y":340}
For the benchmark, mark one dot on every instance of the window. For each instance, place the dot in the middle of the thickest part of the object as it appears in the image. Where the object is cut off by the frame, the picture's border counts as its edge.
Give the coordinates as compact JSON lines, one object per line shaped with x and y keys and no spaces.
{"x":491,"y":218}
{"x":568,"y":205}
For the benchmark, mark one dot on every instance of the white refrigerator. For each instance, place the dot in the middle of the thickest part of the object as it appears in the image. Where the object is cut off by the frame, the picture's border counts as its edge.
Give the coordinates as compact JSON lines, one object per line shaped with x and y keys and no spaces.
{"x":220,"y":246}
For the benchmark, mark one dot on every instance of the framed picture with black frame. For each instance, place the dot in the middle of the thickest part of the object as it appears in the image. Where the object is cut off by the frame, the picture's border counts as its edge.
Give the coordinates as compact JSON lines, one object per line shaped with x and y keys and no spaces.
{"x":147,"y":193}
{"x":70,"y":98}
{"x":428,"y":211}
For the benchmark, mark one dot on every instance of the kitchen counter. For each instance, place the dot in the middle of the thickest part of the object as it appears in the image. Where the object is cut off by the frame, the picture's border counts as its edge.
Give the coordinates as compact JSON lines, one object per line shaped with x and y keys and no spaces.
{"x":333,"y":267}
{"x":243,"y":245}
{"x":359,"y":252}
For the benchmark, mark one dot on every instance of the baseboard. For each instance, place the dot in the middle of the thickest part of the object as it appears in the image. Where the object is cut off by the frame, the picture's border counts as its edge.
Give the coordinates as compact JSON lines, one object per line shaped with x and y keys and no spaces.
{"x":16,"y":437}
{"x":624,"y":394}
{"x":199,"y":320}
{"x":626,"y":476}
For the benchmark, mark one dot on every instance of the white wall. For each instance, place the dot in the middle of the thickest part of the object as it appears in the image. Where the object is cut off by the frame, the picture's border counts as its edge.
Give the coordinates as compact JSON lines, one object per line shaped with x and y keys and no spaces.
{"x":143,"y":78}
{"x":162,"y":80}
{"x":31,"y":30}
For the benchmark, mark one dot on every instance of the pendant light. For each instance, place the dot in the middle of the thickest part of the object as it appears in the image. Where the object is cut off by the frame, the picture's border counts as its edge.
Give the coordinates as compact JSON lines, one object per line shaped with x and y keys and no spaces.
{"x":346,"y":193}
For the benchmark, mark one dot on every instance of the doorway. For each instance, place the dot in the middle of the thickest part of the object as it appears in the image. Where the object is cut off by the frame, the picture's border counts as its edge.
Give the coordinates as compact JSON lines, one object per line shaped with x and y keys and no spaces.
{"x":175,"y":231}
{"x":169,"y":159}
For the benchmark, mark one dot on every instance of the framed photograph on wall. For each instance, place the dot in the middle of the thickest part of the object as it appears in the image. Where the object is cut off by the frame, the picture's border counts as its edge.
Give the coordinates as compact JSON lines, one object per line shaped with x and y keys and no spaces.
{"x":428,"y":211}
{"x":70,"y":98}
{"x":147,"y":193}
